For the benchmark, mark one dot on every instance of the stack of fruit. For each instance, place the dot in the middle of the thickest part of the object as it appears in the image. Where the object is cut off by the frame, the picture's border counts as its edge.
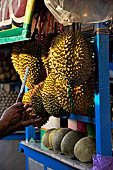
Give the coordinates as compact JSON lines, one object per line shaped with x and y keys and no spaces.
{"x":80,"y":146}
{"x":70,"y":61}
{"x":69,"y":85}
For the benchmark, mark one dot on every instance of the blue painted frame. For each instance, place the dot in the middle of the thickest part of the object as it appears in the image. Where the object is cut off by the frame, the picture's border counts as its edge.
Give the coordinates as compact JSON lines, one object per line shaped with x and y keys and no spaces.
{"x":102,"y":96}
{"x":42,"y":158}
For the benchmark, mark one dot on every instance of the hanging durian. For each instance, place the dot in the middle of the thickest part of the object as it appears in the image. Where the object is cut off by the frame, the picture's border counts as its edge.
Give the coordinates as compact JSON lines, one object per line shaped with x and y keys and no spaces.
{"x":63,"y":91}
{"x":84,"y":96}
{"x":33,"y":97}
{"x":75,"y":99}
{"x":49,"y":97}
{"x":36,"y":99}
{"x":70,"y":57}
{"x":30,"y":55}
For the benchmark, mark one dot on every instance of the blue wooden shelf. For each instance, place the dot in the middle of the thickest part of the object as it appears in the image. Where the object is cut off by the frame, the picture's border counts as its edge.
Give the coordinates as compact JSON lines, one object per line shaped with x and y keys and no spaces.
{"x":82,"y":118}
{"x":48,"y":160}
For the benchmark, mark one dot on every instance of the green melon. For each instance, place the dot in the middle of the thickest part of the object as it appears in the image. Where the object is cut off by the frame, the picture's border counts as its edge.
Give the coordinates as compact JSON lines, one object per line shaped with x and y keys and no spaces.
{"x":85,"y":148}
{"x":56,"y":142}
{"x":45,"y":138}
{"x":51,"y":135}
{"x":69,"y":141}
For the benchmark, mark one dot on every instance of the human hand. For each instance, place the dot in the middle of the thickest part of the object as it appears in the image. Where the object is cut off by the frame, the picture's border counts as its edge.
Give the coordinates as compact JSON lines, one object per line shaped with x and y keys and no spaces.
{"x":13,"y":114}
{"x":22,"y":124}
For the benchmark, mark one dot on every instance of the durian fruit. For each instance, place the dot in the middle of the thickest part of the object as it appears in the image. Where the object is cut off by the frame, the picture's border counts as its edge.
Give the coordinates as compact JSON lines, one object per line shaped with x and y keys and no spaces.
{"x":70,"y":56}
{"x":27,"y":97}
{"x":36,"y":99}
{"x":45,"y":138}
{"x":33,"y":96}
{"x":84,"y":96}
{"x":85,"y":148}
{"x":46,"y":43}
{"x":63,"y":94}
{"x":29,"y":55}
{"x":75,"y":99}
{"x":49,"y":98}
{"x":67,"y":145}
{"x":57,"y":139}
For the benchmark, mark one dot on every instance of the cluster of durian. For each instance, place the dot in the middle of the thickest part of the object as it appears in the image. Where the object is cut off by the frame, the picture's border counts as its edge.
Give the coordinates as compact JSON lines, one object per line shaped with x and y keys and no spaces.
{"x":25,"y":54}
{"x":69,"y":86}
{"x":29,"y":54}
{"x":70,"y":83}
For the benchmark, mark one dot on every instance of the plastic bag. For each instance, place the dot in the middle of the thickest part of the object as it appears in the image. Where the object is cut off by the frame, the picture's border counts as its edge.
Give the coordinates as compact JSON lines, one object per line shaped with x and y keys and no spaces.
{"x":85,"y":11}
{"x":102,"y":163}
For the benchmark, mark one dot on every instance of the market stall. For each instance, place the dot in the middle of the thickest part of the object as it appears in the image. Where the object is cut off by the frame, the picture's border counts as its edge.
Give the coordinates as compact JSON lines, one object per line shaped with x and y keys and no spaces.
{"x":67,"y":49}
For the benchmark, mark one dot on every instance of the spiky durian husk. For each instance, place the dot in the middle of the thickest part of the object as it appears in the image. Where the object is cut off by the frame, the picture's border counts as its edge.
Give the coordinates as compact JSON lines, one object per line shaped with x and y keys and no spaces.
{"x":33,"y":97}
{"x":27,"y":97}
{"x":75,"y":99}
{"x":30,"y":55}
{"x":63,"y":94}
{"x":84,"y":96}
{"x":46,"y":43}
{"x":70,"y":56}
{"x":36,"y":99}
{"x":49,"y":97}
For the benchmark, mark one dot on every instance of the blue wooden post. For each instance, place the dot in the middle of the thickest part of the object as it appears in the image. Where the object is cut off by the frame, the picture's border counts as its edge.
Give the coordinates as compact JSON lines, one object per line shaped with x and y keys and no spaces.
{"x":30,"y":133}
{"x":102,"y":97}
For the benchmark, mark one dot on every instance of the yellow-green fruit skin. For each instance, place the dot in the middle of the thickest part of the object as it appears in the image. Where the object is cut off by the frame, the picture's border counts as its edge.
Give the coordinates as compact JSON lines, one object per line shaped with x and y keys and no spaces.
{"x":56,"y":142}
{"x":69,"y":141}
{"x":85,"y":148}
{"x":45,"y":138}
{"x":51,"y":135}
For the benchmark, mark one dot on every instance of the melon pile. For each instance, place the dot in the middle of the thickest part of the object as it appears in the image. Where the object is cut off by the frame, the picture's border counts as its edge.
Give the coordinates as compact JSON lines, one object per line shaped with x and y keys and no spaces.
{"x":72,"y":143}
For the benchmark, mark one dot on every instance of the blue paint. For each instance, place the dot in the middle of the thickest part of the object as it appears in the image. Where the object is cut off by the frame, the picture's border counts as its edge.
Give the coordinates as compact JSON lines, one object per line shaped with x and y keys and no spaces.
{"x":82,"y":118}
{"x":43,"y":159}
{"x":20,"y":136}
{"x":30,"y":133}
{"x":15,"y":137}
{"x":111,"y":66}
{"x":27,"y":164}
{"x":102,"y":98}
{"x":112,"y":124}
